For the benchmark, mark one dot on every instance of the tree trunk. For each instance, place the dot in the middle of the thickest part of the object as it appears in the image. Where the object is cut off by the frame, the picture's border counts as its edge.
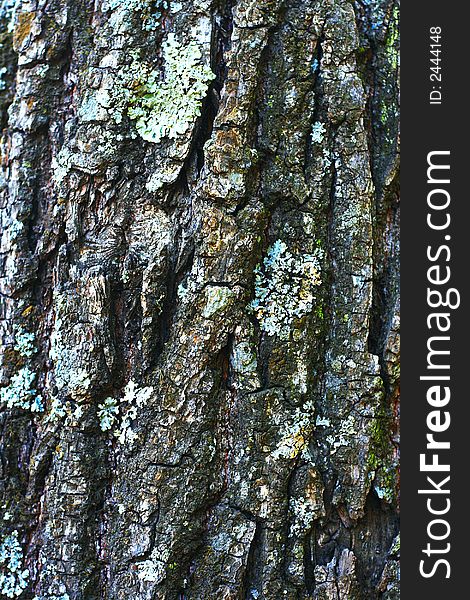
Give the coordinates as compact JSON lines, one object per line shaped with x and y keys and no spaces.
{"x":199,"y":299}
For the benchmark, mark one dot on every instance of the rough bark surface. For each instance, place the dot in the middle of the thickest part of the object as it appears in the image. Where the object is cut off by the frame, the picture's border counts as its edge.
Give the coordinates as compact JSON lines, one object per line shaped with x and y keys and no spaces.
{"x":199,"y":299}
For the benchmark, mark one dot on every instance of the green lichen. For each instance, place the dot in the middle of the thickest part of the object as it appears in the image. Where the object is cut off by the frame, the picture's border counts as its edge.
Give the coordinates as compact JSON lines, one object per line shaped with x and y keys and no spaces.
{"x":168,"y":107}
{"x":393,"y":39}
{"x":285,"y":288}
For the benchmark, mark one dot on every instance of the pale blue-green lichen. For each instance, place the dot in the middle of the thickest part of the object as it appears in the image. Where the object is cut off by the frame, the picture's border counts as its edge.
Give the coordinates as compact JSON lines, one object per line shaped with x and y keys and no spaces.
{"x":13,"y":229}
{"x":285,"y":288}
{"x":217,"y":299}
{"x":58,"y":409}
{"x":108,"y":412}
{"x":8,"y":10}
{"x":13,"y":578}
{"x":69,"y":376}
{"x":168,"y":108}
{"x":20,"y":393}
{"x":318,"y":132}
{"x":244,"y":363}
{"x":24,"y":342}
{"x":6,"y":516}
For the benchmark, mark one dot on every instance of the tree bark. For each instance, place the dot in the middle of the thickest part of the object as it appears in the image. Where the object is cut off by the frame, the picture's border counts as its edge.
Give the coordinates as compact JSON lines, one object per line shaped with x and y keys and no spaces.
{"x":199,"y":299}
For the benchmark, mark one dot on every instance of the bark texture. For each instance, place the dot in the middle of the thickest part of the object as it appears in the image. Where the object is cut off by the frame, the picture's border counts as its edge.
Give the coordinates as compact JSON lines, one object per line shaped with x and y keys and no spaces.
{"x":199,"y":299}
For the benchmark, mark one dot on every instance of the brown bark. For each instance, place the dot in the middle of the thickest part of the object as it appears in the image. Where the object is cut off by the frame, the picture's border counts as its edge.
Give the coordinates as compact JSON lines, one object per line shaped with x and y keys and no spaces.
{"x":199,"y":300}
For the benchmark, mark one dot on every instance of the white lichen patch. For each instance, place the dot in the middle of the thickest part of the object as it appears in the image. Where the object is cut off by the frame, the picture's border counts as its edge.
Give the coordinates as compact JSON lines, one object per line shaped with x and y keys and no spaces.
{"x":149,"y":235}
{"x":318,"y":133}
{"x":153,"y":570}
{"x":285,"y":288}
{"x":326,"y":160}
{"x":244,"y":362}
{"x":159,"y":179}
{"x":13,"y":578}
{"x":53,"y":597}
{"x":6,"y":516}
{"x":59,"y":408}
{"x":109,"y":411}
{"x":3,"y":71}
{"x":61,"y":164}
{"x":346,"y":431}
{"x":303,"y":514}
{"x":11,"y":231}
{"x":150,"y":12}
{"x":296,"y":433}
{"x":49,"y":596}
{"x":168,"y":108}
{"x":300,"y":375}
{"x":56,"y":590}
{"x":69,"y":374}
{"x":232,"y":542}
